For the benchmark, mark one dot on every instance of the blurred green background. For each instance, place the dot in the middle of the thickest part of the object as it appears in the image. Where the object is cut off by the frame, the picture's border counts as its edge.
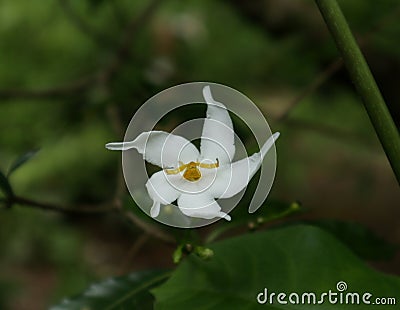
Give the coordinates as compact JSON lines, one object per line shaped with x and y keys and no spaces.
{"x":73,"y":73}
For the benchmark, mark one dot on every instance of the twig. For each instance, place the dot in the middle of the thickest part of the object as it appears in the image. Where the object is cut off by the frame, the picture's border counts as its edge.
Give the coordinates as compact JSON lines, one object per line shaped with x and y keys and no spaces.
{"x":69,"y":89}
{"x":96,"y":36}
{"x":252,"y":224}
{"x":364,"y":81}
{"x":89,"y":210}
{"x":149,"y":228}
{"x":337,"y":64}
{"x":133,"y":251}
{"x":103,"y":76}
{"x":383,"y":22}
{"x":122,"y":53}
{"x":323,"y":77}
{"x":329,"y":131}
{"x":114,"y":116}
{"x":313,"y":86}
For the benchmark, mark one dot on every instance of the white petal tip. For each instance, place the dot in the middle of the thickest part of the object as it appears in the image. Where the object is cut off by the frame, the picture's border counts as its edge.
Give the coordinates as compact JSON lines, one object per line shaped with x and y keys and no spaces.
{"x":209,"y":98}
{"x":120,"y":146}
{"x":276,"y":135}
{"x":206,"y":91}
{"x":153,"y":213}
{"x":115,"y":146}
{"x":225,"y":216}
{"x":269,"y":143}
{"x":155,"y":209}
{"x":207,"y":94}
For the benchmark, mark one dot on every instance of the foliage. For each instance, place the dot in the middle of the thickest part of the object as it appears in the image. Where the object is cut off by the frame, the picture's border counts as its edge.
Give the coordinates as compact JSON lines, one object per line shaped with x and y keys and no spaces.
{"x":127,"y":292}
{"x":72,"y":74}
{"x":293,"y":259}
{"x":361,"y":240}
{"x":24,"y":158}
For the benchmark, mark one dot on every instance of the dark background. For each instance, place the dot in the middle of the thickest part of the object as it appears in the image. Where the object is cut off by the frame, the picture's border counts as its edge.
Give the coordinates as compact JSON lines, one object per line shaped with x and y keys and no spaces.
{"x":72,"y":74}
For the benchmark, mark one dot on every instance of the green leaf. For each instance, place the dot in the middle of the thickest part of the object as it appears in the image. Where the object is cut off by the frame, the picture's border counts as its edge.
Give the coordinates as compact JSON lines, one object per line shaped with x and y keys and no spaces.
{"x":293,"y":259}
{"x":127,"y":292}
{"x":5,"y":185}
{"x":361,"y":240}
{"x":21,"y":160}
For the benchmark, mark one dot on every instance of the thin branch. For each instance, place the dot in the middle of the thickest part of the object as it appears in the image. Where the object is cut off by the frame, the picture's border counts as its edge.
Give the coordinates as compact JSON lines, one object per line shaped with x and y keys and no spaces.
{"x":330,"y":131}
{"x":324,"y":76}
{"x":69,"y":89}
{"x":102,"y":76}
{"x":123,"y":52}
{"x":132,"y":253}
{"x":337,"y":64}
{"x":121,"y":55}
{"x":318,"y":81}
{"x":383,"y":22}
{"x":92,"y":33}
{"x":114,"y":116}
{"x":364,"y":81}
{"x":81,"y":210}
{"x":149,"y":228}
{"x":312,"y":87}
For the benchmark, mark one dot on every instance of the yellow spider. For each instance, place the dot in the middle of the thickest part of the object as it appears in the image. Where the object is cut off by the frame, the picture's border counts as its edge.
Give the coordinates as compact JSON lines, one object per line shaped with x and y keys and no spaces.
{"x":192,"y":172}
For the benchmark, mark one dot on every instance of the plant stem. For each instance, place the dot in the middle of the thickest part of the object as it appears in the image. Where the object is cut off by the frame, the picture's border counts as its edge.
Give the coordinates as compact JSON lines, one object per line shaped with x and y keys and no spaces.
{"x":364,"y":82}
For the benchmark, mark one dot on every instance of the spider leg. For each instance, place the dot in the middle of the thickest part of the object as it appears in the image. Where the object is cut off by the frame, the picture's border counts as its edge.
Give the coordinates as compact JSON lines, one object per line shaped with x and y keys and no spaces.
{"x":210,"y":166}
{"x":177,"y":170}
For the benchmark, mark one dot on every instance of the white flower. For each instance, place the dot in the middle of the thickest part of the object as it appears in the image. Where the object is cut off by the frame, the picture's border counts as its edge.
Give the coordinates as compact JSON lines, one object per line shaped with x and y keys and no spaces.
{"x":195,"y":179}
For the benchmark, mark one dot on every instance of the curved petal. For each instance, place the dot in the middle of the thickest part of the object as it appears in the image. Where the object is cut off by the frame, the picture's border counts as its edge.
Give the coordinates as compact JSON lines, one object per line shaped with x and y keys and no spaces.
{"x":155,"y":209}
{"x":160,"y":148}
{"x":201,"y":205}
{"x":160,"y":191}
{"x":217,"y":139}
{"x":231,"y":179}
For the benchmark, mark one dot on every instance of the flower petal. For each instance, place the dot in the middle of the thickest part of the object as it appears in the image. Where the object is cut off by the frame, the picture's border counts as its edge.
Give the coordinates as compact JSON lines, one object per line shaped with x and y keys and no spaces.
{"x":155,"y":209}
{"x":160,"y":191}
{"x":201,"y":206}
{"x":160,"y":148}
{"x":231,"y":179}
{"x":217,"y":139}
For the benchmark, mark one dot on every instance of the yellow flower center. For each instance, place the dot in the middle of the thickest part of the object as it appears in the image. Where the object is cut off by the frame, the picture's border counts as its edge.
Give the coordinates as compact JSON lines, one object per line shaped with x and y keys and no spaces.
{"x":192,"y":172}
